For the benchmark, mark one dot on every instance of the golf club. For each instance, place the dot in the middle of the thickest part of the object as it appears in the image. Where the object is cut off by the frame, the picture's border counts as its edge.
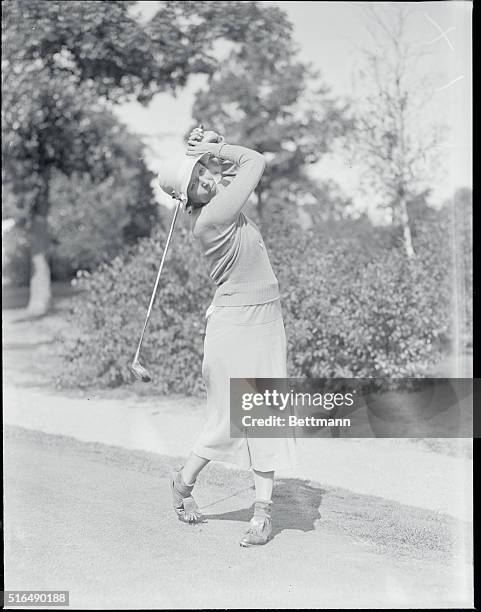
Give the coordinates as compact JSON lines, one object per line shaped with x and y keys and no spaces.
{"x":136,"y":367}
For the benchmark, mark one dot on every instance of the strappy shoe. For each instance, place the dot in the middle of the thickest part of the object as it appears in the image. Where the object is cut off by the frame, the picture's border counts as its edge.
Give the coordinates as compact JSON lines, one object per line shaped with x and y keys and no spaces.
{"x":184,"y":504}
{"x":259,"y":532}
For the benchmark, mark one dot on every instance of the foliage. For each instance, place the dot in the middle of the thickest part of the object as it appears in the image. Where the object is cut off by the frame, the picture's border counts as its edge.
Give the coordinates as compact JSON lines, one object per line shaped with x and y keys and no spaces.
{"x":57,"y":65}
{"x":107,"y":319}
{"x":352,"y":307}
{"x":92,"y":213}
{"x":81,"y":41}
{"x":186,"y":34}
{"x":462,"y":206}
{"x":82,"y":139}
{"x":264,"y":98}
{"x":444,"y":241}
{"x":89,"y":221}
{"x":64,"y":64}
{"x":60,"y":65}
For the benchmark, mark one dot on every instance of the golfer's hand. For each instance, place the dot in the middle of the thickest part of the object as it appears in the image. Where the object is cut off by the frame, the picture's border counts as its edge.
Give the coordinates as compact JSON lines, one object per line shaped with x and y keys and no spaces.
{"x":199,"y":135}
{"x":200,"y":147}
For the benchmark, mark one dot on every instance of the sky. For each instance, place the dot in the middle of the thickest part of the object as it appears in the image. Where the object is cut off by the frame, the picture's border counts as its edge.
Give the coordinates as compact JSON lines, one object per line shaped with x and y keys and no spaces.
{"x":328,"y":35}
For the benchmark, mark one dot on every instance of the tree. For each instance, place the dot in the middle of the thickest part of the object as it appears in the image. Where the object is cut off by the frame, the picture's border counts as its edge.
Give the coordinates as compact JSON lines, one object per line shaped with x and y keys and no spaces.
{"x":57,"y":126}
{"x":64,"y":60}
{"x":392,"y":141}
{"x":103,"y":201}
{"x":56,"y":64}
{"x":92,"y":218}
{"x":266,"y":99}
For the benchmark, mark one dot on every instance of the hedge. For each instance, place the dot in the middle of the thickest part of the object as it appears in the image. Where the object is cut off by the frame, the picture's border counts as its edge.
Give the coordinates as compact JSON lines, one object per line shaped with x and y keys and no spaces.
{"x":352,"y":307}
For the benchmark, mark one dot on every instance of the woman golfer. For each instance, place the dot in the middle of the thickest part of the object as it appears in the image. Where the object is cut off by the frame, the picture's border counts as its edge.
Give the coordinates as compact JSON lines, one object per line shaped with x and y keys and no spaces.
{"x":245,"y":335}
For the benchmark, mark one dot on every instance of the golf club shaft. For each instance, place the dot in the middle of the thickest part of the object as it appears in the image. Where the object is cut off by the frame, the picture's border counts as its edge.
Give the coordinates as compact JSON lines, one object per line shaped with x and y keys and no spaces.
{"x":149,"y":310}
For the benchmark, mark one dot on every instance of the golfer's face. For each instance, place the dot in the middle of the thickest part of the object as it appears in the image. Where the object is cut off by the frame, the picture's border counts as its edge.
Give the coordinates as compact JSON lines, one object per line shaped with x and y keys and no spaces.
{"x":202,"y":186}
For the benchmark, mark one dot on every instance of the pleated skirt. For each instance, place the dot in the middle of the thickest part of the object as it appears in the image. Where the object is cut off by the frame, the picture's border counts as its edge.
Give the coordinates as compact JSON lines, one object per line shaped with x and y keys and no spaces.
{"x":242,"y":342}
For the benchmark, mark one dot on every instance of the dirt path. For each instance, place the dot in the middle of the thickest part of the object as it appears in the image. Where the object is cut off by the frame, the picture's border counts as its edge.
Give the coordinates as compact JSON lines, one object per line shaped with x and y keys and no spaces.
{"x":96,"y":520}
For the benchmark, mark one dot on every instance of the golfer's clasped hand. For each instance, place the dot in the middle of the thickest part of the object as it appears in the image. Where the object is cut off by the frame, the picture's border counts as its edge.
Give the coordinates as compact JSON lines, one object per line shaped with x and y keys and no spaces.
{"x":198,"y":138}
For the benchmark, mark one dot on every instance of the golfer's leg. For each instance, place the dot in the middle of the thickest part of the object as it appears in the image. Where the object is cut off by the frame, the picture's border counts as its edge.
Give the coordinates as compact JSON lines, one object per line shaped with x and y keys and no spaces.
{"x":260,"y":529}
{"x":263,"y":482}
{"x":192,"y":468}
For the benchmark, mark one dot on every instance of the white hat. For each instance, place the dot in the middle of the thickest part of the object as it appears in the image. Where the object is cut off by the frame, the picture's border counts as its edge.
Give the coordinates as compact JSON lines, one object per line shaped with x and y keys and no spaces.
{"x":175,"y":172}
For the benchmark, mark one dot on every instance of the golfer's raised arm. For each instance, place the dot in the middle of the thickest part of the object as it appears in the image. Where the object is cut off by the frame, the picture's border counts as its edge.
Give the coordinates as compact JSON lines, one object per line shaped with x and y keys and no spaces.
{"x":227,"y":204}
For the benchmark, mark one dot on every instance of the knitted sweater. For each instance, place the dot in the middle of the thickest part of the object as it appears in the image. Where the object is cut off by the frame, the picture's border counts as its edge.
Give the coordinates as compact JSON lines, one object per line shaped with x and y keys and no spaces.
{"x":231,"y":242}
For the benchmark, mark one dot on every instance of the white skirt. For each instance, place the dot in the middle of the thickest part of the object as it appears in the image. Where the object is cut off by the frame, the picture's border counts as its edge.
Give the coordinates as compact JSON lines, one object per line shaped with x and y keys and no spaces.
{"x":242,"y":342}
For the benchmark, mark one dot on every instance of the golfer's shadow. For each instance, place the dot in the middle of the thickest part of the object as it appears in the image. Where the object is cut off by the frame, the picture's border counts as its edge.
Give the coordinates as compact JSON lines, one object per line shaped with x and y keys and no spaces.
{"x":295,"y":506}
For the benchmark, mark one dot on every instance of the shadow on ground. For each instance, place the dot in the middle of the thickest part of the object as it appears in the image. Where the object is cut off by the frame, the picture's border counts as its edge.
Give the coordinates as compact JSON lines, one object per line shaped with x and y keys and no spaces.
{"x":296,"y":506}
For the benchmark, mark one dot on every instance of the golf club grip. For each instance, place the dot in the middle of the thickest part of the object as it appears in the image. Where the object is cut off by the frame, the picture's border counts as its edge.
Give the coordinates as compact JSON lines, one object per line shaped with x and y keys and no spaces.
{"x":149,"y":310}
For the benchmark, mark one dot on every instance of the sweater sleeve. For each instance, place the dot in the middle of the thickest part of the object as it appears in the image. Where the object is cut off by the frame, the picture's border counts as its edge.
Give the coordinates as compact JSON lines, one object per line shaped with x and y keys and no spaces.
{"x":225,"y":206}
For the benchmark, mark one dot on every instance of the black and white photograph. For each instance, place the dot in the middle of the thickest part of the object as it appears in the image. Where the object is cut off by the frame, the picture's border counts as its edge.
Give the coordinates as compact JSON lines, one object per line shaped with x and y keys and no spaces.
{"x":237,"y":303}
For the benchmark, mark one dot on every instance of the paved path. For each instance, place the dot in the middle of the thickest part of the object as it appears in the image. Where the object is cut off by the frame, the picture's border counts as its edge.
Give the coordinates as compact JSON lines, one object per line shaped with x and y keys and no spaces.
{"x":96,"y":520}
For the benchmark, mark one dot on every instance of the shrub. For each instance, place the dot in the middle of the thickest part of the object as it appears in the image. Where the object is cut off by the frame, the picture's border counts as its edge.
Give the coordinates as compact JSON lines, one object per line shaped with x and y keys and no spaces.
{"x":355,"y":309}
{"x":107,"y":319}
{"x":443,"y":240}
{"x":91,"y":221}
{"x":352,"y":309}
{"x":87,"y":222}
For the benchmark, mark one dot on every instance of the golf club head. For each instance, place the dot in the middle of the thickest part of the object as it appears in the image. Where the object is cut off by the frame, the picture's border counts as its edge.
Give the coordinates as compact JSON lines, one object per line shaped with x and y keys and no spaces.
{"x":140,"y":371}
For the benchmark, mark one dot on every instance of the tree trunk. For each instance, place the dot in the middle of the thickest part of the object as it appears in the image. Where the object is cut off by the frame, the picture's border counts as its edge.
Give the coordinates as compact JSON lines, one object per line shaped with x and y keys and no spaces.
{"x":407,"y":237}
{"x":40,"y":284}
